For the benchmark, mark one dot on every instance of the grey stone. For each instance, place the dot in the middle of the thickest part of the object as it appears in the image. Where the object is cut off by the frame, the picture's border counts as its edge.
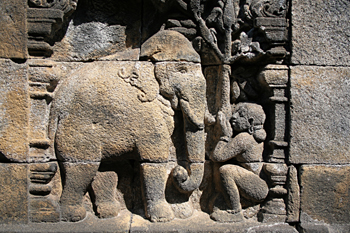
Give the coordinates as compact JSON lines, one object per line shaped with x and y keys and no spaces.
{"x":235,"y":181}
{"x":320,"y":32}
{"x":169,"y":46}
{"x":293,"y":198}
{"x":320,"y":126}
{"x":101,"y":28}
{"x":13,"y":31}
{"x":90,"y":224}
{"x":325,"y":193}
{"x":13,"y":193}
{"x":314,"y":228}
{"x":203,"y":223}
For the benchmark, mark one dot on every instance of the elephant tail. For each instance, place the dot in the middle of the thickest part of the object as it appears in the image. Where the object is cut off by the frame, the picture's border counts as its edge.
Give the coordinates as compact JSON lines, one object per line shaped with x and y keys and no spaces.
{"x":52,"y":127}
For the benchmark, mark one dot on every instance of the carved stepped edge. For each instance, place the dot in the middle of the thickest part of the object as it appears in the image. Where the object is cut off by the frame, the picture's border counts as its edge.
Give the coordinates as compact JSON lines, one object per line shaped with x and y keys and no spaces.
{"x":274,"y":209}
{"x":40,"y":93}
{"x":42,"y":206}
{"x":40,"y":23}
{"x":275,"y":32}
{"x":42,"y":16}
{"x":276,"y":78}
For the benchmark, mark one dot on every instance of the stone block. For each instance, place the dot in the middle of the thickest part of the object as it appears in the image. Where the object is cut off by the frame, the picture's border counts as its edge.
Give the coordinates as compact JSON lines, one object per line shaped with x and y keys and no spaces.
{"x":107,"y":30}
{"x":320,"y":32}
{"x":293,"y":197}
{"x":201,"y":222}
{"x":314,"y":228}
{"x":13,"y":32}
{"x":90,"y":224}
{"x":13,"y":193}
{"x":14,"y":111}
{"x":325,"y":193}
{"x":320,"y":104}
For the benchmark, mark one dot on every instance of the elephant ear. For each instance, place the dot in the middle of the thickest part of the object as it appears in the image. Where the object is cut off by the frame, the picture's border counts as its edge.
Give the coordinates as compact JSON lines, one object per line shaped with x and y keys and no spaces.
{"x":142,"y":77}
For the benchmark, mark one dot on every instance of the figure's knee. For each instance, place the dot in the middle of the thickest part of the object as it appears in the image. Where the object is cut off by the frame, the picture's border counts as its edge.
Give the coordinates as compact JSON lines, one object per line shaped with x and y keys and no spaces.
{"x":253,"y":187}
{"x":260,"y":190}
{"x":228,"y":171}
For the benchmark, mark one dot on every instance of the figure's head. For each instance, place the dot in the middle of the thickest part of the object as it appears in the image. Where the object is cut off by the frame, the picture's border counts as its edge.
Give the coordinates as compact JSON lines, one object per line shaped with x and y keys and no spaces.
{"x":247,"y":117}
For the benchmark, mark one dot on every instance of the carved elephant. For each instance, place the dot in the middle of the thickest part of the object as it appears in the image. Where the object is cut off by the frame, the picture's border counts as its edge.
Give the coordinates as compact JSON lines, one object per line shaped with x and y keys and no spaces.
{"x":110,"y":109}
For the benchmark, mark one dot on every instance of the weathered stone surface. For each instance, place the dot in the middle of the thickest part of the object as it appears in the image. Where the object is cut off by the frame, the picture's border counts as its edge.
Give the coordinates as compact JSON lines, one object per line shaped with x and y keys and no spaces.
{"x":14,"y":111}
{"x":315,"y":228}
{"x":201,"y":222}
{"x":102,"y":28}
{"x":169,"y":46}
{"x":90,"y":224}
{"x":43,"y":77}
{"x":325,"y":193}
{"x":320,"y":32}
{"x":13,"y":193}
{"x":293,"y":198}
{"x":13,"y":32}
{"x":114,"y":143}
{"x":108,"y":109}
{"x":320,"y":126}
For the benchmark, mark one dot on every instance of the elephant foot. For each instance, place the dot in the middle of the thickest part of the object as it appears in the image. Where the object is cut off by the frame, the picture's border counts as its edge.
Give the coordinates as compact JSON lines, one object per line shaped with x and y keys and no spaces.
{"x":72,"y":213}
{"x":108,"y":209}
{"x":227,"y":216}
{"x":159,"y":211}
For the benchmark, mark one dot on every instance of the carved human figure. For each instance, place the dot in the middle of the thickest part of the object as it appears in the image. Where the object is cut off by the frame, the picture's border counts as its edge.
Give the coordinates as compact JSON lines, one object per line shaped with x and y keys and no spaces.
{"x":242,"y":178}
{"x":107,"y":110}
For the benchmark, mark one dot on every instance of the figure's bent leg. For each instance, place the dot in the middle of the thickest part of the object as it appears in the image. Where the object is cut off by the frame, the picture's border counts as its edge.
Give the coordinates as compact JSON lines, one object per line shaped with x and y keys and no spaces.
{"x":251,"y":186}
{"x":78,"y":176}
{"x":227,"y":175}
{"x":154,"y":178}
{"x":228,"y":181}
{"x":104,"y":187}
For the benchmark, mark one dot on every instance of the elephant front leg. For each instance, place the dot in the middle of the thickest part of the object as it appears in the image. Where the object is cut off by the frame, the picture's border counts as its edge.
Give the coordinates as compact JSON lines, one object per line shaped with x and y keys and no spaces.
{"x":78,"y":177}
{"x":154,"y":178}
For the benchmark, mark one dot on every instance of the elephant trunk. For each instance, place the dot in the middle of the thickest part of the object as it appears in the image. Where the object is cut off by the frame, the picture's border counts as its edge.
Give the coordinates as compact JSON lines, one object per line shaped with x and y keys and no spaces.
{"x":187,"y":180}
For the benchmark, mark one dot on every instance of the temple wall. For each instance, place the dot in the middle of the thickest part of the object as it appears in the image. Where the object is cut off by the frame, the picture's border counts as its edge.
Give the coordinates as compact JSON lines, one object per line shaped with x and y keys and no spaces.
{"x":124,"y":116}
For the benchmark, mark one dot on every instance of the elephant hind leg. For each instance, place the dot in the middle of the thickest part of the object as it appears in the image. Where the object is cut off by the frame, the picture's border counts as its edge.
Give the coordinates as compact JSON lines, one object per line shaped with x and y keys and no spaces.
{"x":77,"y":178}
{"x":104,"y":188}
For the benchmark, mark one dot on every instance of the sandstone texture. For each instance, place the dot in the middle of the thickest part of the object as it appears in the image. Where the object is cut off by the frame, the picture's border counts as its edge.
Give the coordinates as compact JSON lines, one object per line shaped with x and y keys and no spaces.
{"x":320,"y":126}
{"x":325,"y":193}
{"x":169,"y":46}
{"x":174,"y":116}
{"x":320,"y":32}
{"x":13,"y":193}
{"x":13,"y":31}
{"x":14,"y":111}
{"x":101,"y":29}
{"x":293,"y":197}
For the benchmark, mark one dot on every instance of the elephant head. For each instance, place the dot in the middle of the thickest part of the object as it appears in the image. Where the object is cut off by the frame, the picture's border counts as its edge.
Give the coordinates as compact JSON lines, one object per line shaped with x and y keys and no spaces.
{"x":181,"y":81}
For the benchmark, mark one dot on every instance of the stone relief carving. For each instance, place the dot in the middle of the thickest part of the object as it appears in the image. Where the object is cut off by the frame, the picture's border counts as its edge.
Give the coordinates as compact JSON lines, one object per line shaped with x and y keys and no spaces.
{"x":187,"y":116}
{"x":99,"y":113}
{"x":239,"y":180}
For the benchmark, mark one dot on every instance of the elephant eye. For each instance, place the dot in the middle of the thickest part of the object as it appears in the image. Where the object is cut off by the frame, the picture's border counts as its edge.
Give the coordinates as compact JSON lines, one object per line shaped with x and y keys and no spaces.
{"x":182,"y":69}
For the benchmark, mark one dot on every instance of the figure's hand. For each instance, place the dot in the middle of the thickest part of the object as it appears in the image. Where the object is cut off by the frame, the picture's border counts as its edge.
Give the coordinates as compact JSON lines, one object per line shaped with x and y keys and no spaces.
{"x":247,"y":12}
{"x":225,"y":124}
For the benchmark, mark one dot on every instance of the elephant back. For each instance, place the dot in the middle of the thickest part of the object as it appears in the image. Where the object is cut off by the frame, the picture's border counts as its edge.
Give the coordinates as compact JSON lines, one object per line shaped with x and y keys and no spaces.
{"x":102,"y":99}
